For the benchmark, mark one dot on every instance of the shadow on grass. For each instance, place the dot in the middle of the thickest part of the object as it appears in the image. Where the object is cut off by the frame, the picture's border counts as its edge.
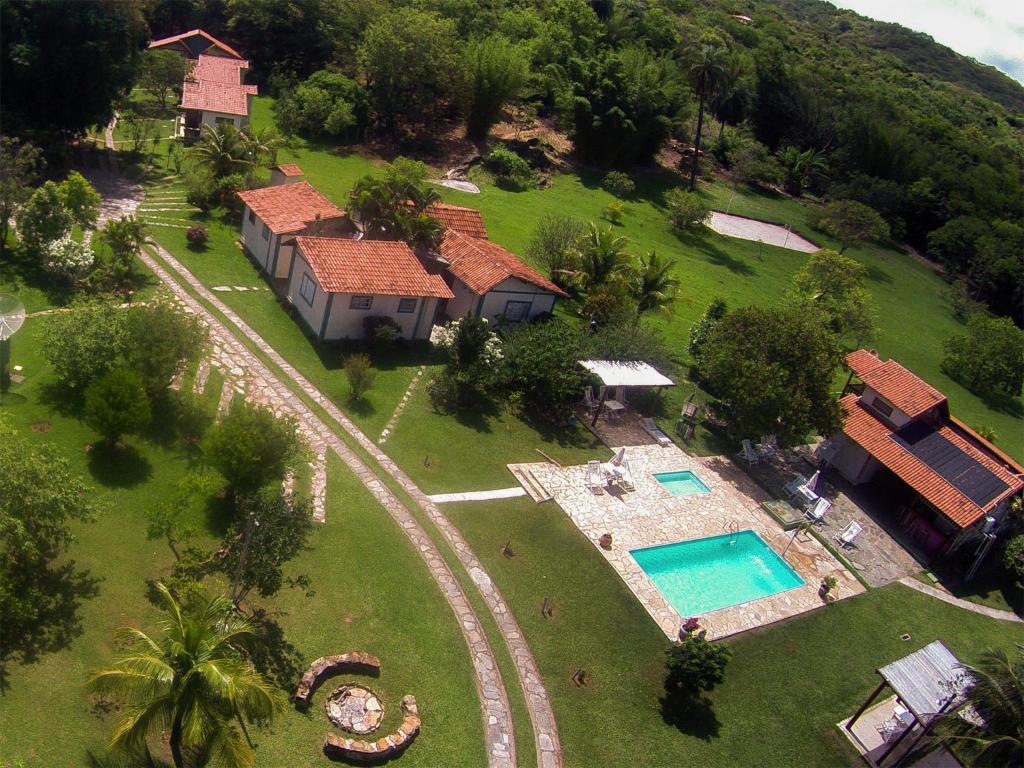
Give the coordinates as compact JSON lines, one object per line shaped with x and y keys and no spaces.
{"x":692,"y":716}
{"x":57,"y":595}
{"x":273,"y":654}
{"x":878,"y":275}
{"x":220,"y":511}
{"x":714,"y":254}
{"x":118,"y":466}
{"x":19,"y":269}
{"x":360,"y":407}
{"x":1011,"y":406}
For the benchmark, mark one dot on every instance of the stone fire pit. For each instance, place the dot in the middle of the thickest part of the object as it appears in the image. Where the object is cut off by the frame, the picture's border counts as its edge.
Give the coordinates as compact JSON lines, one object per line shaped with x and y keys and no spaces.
{"x":355,"y":709}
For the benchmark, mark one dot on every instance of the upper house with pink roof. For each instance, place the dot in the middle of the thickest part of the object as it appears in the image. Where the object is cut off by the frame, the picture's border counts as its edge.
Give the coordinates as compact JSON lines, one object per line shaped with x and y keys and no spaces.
{"x":214,"y":91}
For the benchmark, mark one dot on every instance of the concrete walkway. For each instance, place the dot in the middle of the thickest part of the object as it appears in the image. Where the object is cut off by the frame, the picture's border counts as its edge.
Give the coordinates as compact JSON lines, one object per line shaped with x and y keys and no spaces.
{"x":967,"y":605}
{"x":500,"y":493}
{"x":501,"y":744}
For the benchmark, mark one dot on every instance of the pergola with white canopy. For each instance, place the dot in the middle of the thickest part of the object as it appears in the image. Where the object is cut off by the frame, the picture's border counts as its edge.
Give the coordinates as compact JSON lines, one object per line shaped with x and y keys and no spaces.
{"x":621,"y":374}
{"x":930,"y":682}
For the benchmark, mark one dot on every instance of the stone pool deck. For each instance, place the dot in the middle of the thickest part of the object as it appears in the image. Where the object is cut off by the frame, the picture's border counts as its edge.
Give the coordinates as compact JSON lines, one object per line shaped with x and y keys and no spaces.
{"x":650,"y":516}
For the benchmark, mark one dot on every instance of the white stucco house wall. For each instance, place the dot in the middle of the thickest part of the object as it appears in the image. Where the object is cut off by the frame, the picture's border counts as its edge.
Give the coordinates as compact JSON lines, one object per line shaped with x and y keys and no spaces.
{"x":336,"y":283}
{"x":272,"y":216}
{"x":488,"y":281}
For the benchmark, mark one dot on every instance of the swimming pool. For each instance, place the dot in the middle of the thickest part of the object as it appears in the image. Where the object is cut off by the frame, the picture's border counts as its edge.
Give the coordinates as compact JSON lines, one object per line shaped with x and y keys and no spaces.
{"x":704,"y":575}
{"x":682,"y":483}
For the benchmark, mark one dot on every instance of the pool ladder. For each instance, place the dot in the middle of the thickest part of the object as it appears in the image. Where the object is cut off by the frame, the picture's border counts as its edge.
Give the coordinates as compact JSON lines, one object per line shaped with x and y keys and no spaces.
{"x":733,"y":529}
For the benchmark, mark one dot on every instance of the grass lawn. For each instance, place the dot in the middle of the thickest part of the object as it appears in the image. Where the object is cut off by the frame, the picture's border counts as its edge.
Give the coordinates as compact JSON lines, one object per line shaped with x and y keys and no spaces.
{"x":785,"y":687}
{"x":372,"y":592}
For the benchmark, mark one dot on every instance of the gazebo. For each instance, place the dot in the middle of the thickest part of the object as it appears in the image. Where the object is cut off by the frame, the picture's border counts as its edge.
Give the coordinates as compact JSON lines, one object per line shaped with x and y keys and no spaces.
{"x":619,"y":375}
{"x":929,"y":682}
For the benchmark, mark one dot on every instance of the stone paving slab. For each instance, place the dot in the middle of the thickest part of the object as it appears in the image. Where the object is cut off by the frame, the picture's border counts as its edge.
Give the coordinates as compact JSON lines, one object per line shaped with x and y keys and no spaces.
{"x":650,"y":516}
{"x":499,"y":493}
{"x":498,"y":724}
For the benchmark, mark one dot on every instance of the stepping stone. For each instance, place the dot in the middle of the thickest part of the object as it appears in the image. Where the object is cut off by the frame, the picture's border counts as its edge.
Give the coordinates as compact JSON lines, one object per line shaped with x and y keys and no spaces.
{"x":221,"y":288}
{"x":202,"y":374}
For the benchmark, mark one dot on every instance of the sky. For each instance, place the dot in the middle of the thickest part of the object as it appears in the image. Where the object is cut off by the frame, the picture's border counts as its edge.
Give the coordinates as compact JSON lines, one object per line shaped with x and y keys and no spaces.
{"x":991,"y":31}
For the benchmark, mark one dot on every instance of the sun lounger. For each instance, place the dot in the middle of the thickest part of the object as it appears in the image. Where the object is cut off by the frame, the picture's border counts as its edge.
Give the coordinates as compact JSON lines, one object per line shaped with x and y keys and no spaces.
{"x":793,"y":485}
{"x":652,"y":429}
{"x":767,"y":446}
{"x":817,"y":512}
{"x":846,"y":536}
{"x":595,"y":476}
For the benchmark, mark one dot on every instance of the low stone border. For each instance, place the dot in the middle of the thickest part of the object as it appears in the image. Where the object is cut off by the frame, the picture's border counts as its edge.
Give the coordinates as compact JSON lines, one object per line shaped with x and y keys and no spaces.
{"x":354,"y":661}
{"x":359,"y":751}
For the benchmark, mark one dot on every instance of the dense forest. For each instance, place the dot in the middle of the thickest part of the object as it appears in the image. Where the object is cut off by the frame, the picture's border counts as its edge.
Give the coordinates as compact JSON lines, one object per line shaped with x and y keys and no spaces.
{"x":789,"y":93}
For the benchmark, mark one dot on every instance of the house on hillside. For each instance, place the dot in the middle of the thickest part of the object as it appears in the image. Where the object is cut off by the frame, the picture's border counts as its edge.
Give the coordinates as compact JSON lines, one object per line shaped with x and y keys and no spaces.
{"x":214,"y":91}
{"x":272,"y":216}
{"x":490,"y":282}
{"x":336,"y":283}
{"x":951,"y":487}
{"x":195,"y":42}
{"x":468,"y":221}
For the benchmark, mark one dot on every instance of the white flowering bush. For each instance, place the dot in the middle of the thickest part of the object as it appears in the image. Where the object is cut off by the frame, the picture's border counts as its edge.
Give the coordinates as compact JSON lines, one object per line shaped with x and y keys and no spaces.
{"x":68,"y":259}
{"x":453,"y":336}
{"x":474,"y":359}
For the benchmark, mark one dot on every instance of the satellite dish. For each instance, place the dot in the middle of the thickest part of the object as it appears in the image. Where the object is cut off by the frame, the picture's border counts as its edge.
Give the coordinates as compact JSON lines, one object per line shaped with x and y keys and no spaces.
{"x":12,"y":315}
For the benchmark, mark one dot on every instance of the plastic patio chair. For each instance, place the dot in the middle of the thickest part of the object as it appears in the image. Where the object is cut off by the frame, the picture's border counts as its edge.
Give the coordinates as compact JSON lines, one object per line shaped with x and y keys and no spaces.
{"x":846,"y":536}
{"x":817,"y":512}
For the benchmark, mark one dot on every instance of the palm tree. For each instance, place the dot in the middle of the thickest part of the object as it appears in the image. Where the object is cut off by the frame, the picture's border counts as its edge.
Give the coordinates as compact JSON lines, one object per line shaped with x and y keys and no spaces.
{"x":989,"y":728}
{"x":602,"y":258}
{"x":225,"y":150}
{"x":800,"y":168}
{"x":125,"y":237}
{"x":260,"y":145}
{"x":192,"y":680}
{"x":654,"y":284}
{"x":708,"y":70}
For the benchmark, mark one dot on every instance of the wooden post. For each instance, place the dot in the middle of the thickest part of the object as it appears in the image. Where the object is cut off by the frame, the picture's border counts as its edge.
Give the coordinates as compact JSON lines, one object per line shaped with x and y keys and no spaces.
{"x":871,"y":698}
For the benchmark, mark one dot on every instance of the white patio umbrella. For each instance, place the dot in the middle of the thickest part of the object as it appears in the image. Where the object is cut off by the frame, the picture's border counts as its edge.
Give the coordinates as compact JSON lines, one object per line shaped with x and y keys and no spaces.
{"x":809,"y":485}
{"x":618,"y":458}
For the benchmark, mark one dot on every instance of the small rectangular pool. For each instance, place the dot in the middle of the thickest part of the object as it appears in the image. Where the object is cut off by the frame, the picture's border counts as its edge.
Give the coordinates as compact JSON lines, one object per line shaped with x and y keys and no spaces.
{"x":682,"y":483}
{"x":704,"y":575}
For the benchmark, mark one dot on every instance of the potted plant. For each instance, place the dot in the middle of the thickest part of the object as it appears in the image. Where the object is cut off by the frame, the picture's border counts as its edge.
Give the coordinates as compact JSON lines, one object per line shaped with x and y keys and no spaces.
{"x":828,"y":584}
{"x":605,"y":541}
{"x":690,"y":626}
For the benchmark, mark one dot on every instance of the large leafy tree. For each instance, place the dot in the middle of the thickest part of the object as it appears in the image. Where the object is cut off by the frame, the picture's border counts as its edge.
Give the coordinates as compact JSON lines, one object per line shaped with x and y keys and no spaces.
{"x":708,"y":68}
{"x":772,"y":370}
{"x":851,"y":222}
{"x":623,"y":106}
{"x":20,"y":164}
{"x":162,"y":74}
{"x":992,"y":732}
{"x":65,"y":65}
{"x":325,"y":105}
{"x":541,"y":364}
{"x":251,"y":447}
{"x":491,"y":74}
{"x":39,"y":498}
{"x":116,"y":403}
{"x":989,"y":358}
{"x":160,"y":339}
{"x":81,"y":346}
{"x":408,"y":57}
{"x":833,"y":284}
{"x":191,"y":681}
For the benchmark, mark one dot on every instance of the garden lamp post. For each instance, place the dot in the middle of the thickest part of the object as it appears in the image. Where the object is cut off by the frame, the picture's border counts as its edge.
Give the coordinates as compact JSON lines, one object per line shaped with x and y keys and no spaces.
{"x":12,"y":315}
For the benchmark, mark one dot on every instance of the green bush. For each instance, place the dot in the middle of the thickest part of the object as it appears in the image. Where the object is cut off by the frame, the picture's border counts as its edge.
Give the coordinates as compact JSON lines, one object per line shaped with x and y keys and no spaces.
{"x":360,"y":375}
{"x":694,"y":666}
{"x":1013,"y":557}
{"x":326,"y":104}
{"x":618,"y":183}
{"x":989,"y":358}
{"x":615,"y":211}
{"x":116,"y":403}
{"x":510,"y":170}
{"x":701,"y":330}
{"x":540,"y":365}
{"x":201,"y":189}
{"x":193,"y":415}
{"x":381,"y":330}
{"x":686,"y":210}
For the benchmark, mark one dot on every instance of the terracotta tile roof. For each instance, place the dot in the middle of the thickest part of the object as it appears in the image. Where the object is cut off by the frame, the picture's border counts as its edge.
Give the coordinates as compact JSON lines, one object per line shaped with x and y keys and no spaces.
{"x":193,"y":33}
{"x":289,"y":207}
{"x":371,"y":267}
{"x":216,"y":97}
{"x":908,"y":392}
{"x":290,"y":170}
{"x":876,"y":437}
{"x":468,"y":221}
{"x":218,"y":69}
{"x":481,"y":264}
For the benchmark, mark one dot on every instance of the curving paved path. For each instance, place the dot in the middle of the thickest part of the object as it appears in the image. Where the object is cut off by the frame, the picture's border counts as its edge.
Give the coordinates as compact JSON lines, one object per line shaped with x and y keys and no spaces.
{"x":967,"y":605}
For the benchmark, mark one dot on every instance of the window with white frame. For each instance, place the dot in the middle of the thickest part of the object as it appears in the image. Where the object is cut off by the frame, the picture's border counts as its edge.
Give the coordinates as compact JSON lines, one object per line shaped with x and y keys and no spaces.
{"x":307,"y":288}
{"x":517,"y":311}
{"x":266,"y":232}
{"x":405,"y":306}
{"x":361,"y":302}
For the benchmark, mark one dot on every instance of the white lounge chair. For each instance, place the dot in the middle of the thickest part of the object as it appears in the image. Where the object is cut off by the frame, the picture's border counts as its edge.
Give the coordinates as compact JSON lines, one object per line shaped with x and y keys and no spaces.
{"x":817,"y":512}
{"x":748,"y":453}
{"x":595,"y":476}
{"x":846,"y":536}
{"x":652,"y":429}
{"x":625,"y":476}
{"x":793,"y":485}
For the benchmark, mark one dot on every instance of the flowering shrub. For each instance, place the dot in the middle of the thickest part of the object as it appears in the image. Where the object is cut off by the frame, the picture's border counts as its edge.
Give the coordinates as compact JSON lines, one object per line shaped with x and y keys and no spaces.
{"x":197,"y":235}
{"x":68,"y":259}
{"x":448,"y":337}
{"x":474,"y":357}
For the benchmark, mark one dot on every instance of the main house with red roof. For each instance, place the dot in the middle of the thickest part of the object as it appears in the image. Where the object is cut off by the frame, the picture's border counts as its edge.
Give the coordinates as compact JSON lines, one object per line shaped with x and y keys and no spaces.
{"x":214,"y":91}
{"x":337,"y":277}
{"x":952,"y":486}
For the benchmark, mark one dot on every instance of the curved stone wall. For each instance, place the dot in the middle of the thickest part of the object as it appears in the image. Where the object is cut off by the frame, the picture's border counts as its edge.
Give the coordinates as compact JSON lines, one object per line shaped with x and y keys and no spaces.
{"x":358,"y":751}
{"x":355,"y":661}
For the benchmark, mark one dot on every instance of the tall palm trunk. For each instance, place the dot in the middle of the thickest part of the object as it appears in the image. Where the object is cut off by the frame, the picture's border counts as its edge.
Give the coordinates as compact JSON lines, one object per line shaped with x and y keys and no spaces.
{"x":696,"y":141}
{"x":176,"y":756}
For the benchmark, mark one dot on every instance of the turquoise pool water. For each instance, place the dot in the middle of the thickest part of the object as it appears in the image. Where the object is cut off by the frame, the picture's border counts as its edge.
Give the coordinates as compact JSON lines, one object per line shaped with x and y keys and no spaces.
{"x":707,"y":574}
{"x":682,"y":483}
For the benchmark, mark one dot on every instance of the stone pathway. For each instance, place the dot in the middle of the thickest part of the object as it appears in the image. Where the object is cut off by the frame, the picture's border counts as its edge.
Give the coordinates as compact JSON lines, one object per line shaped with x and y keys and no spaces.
{"x":761,"y":231}
{"x":500,"y":493}
{"x":493,"y":696}
{"x":400,"y":408}
{"x":967,"y":605}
